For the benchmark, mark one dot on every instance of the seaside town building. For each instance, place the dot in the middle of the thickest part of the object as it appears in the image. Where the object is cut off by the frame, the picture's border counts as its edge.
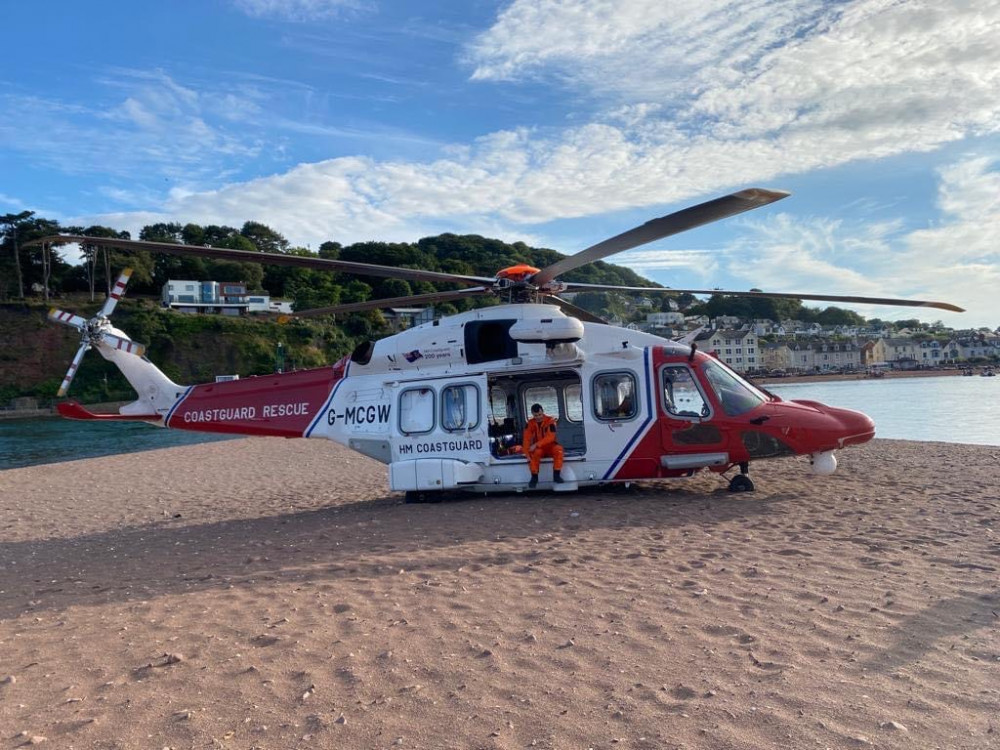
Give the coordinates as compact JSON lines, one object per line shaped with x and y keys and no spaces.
{"x":738,"y":349}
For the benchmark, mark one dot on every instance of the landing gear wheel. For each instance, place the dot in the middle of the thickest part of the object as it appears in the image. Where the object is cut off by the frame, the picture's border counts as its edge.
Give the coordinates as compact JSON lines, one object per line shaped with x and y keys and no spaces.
{"x":741,"y":483}
{"x":421,"y":496}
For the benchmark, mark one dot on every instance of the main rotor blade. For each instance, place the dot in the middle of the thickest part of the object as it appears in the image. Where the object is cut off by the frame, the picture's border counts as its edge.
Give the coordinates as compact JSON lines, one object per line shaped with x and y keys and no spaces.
{"x":679,"y":221}
{"x":61,"y":316}
{"x":251,"y":256}
{"x":577,"y":312}
{"x":374,"y":304}
{"x":71,"y":373}
{"x":116,"y":293}
{"x":570,"y":286}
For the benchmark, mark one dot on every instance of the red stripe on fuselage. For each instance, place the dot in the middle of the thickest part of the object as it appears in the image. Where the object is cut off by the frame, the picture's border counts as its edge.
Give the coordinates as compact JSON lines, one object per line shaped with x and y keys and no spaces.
{"x":282,"y":405}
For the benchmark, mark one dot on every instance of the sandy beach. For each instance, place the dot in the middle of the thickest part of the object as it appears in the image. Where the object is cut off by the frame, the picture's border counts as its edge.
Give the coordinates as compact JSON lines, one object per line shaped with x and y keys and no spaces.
{"x":268,"y":593}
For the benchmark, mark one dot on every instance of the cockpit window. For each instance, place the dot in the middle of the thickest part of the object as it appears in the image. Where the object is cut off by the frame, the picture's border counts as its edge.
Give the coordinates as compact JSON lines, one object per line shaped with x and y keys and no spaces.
{"x":681,"y":395}
{"x":734,"y":394}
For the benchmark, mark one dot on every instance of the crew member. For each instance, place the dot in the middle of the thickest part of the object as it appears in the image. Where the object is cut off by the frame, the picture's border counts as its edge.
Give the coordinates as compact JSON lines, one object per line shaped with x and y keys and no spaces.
{"x":540,"y":441}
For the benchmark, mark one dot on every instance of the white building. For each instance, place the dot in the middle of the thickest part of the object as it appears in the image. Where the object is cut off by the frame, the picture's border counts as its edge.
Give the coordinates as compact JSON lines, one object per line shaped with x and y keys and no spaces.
{"x":222,"y":297}
{"x":664,"y":319}
{"x":738,"y":349}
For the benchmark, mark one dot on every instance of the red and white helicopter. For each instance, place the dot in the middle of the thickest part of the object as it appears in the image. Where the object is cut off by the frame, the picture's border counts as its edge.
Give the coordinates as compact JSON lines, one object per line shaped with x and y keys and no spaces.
{"x":443,"y":404}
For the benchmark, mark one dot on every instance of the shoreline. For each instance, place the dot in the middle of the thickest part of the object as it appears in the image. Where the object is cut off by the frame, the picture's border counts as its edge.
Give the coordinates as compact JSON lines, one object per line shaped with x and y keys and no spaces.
{"x":887,"y":375}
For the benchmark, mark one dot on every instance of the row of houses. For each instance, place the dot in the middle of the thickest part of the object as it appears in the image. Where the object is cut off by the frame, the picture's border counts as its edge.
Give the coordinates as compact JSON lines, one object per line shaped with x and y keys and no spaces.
{"x":746,"y":352}
{"x":660,"y":321}
{"x":846,"y":355}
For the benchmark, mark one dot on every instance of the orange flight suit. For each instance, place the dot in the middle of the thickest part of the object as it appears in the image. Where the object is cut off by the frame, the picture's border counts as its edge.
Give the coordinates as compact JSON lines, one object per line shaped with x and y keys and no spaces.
{"x":543,"y":435}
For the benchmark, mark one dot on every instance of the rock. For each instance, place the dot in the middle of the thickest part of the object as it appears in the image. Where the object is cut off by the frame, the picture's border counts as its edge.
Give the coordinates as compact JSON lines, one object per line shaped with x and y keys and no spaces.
{"x":340,"y":720}
{"x":173,"y":658}
{"x":8,"y":680}
{"x":892,"y":726}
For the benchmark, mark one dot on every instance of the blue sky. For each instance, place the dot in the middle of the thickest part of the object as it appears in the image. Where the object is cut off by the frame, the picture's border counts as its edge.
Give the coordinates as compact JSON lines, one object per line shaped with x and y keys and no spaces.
{"x":554,"y":122}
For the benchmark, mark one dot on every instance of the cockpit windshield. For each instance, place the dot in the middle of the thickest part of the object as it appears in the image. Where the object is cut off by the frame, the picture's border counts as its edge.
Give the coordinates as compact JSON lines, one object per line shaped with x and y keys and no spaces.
{"x":735,"y":394}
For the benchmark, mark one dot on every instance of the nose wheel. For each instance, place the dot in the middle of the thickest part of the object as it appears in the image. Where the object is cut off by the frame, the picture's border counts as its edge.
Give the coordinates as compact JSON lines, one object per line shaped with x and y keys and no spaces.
{"x":742,"y":481}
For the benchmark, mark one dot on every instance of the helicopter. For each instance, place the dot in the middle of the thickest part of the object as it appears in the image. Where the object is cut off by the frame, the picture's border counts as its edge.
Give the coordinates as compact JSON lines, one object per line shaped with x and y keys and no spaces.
{"x":443,"y":404}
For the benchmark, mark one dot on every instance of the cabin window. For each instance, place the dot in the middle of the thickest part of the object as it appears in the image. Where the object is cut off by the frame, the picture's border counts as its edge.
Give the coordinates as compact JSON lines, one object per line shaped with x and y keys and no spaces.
{"x":460,"y":407}
{"x":498,"y":404}
{"x":573,"y":395}
{"x":735,"y":395}
{"x":681,"y":395}
{"x":416,"y":411}
{"x":545,"y":395}
{"x":614,"y":396}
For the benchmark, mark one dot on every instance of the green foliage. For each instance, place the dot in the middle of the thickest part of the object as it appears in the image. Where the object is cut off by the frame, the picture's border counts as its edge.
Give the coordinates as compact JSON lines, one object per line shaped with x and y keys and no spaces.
{"x":188,"y":348}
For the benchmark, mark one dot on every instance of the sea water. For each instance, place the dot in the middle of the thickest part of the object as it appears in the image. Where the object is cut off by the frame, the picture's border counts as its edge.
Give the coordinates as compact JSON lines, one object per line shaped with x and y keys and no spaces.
{"x":28,"y":442}
{"x":950,"y":409}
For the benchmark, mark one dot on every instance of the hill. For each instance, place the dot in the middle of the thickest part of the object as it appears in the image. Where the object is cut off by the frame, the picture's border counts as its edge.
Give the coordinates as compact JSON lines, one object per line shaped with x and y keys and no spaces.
{"x":35,"y":354}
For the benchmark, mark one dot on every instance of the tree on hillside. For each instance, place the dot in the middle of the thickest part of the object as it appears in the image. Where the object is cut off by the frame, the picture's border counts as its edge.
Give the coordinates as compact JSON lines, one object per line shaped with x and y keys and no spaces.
{"x":172,"y":233}
{"x":330,"y":250}
{"x":265,"y":239}
{"x":836,"y":316}
{"x":97,"y":256}
{"x":11,"y":225}
{"x":45,"y":264}
{"x":393,"y":288}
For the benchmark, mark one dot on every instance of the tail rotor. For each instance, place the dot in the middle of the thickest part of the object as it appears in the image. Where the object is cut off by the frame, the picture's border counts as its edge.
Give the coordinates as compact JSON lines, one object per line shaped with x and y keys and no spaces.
{"x":97,"y":331}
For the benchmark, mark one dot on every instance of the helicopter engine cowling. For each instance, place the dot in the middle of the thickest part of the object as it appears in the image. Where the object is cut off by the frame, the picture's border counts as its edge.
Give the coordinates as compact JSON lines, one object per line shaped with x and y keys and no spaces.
{"x":554,"y":330}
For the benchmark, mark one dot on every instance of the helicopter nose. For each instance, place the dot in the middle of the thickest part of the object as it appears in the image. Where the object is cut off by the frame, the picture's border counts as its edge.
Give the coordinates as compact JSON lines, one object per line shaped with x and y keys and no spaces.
{"x":856,"y":428}
{"x":831,"y":427}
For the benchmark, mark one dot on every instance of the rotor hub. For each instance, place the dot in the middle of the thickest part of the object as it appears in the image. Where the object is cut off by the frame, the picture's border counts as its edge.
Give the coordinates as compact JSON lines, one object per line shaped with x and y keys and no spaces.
{"x":519,"y":274}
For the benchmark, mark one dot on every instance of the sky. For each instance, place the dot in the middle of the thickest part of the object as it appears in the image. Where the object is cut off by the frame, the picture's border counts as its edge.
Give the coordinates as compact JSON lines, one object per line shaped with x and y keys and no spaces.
{"x":554,"y":122}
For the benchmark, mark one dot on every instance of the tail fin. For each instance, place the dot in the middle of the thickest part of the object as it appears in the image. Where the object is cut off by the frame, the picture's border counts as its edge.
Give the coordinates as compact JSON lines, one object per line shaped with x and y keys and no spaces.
{"x":157,"y":393}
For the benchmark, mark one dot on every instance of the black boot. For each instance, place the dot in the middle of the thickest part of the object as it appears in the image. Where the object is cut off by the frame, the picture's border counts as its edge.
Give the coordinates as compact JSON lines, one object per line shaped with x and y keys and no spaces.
{"x":534,"y":482}
{"x":556,"y":477}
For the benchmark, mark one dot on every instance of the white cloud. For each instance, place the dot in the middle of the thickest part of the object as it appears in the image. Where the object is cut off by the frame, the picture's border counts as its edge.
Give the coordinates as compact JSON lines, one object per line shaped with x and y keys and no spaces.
{"x":636,"y":47}
{"x":295,"y":10}
{"x":157,"y":128}
{"x":759,"y":92}
{"x":700,"y":263}
{"x":826,"y":82}
{"x":957,"y":261}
